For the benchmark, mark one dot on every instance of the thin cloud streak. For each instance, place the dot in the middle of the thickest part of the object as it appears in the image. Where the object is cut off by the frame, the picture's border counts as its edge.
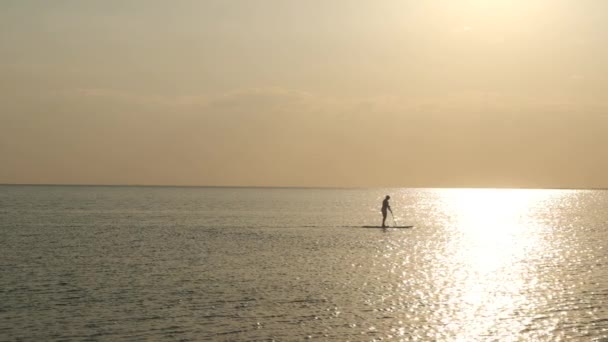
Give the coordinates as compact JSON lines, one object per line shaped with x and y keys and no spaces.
{"x":285,"y":137}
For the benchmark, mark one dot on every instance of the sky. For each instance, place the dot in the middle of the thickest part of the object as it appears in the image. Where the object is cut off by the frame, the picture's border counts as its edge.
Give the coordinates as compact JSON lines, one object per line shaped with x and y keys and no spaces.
{"x":319,"y":93}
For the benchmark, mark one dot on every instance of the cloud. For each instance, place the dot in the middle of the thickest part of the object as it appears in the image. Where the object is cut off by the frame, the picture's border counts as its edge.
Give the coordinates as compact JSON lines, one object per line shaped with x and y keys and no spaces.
{"x":276,"y":136}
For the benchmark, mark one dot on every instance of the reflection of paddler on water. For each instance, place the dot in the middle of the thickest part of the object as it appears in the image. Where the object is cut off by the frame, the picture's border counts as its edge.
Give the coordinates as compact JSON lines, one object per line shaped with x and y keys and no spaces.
{"x":385,"y":208}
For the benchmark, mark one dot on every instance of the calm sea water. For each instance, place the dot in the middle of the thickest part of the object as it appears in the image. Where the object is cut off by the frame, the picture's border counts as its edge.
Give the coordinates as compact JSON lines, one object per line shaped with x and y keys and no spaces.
{"x":226,"y":264}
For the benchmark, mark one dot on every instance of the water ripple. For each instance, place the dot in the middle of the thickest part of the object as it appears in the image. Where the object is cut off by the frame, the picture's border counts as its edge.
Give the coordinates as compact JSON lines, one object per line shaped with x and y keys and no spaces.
{"x":271,"y":264}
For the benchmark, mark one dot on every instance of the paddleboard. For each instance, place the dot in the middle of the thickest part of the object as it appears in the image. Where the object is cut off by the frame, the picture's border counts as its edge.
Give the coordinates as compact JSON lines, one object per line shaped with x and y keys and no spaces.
{"x":387,"y":227}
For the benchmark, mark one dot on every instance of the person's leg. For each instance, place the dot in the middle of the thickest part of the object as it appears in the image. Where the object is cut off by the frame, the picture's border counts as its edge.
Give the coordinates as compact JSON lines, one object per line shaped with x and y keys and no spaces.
{"x":383,"y":219}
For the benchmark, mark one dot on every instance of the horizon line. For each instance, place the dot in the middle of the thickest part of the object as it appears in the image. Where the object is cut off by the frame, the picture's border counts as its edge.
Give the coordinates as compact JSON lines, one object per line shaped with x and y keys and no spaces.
{"x":287,"y":186}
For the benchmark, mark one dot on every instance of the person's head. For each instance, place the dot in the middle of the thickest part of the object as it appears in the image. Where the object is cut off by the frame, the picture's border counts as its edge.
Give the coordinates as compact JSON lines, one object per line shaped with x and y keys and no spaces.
{"x":388,"y":197}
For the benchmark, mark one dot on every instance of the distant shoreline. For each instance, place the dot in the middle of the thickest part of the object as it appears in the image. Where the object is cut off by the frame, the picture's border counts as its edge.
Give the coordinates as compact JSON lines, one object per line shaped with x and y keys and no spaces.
{"x":279,"y":187}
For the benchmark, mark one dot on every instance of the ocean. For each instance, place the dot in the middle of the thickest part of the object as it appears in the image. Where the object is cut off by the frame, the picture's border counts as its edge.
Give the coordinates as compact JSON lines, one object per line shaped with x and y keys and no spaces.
{"x":95,"y":263}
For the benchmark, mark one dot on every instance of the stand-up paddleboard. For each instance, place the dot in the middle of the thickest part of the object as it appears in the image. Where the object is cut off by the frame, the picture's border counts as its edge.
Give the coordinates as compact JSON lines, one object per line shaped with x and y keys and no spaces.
{"x":387,"y":227}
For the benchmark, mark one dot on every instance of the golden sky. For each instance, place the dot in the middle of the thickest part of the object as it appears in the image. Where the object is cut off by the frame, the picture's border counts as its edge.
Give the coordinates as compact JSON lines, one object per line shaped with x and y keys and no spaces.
{"x":477,"y":93}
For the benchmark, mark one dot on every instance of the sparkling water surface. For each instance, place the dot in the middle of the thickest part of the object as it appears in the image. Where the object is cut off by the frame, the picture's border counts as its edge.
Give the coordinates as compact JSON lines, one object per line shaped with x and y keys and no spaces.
{"x":230,"y":264}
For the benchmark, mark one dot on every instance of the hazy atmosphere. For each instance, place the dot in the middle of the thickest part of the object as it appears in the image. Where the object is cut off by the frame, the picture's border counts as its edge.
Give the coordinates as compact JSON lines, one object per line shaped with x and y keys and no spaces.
{"x":305,"y":93}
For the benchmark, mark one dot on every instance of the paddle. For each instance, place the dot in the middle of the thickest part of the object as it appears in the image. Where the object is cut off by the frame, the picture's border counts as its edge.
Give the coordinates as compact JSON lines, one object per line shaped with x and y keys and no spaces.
{"x":393,"y":216}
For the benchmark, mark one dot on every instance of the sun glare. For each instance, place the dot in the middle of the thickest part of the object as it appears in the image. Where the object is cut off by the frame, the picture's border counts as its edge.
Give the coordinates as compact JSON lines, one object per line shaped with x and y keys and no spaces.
{"x":491,"y":223}
{"x":492,"y":232}
{"x":476,"y":208}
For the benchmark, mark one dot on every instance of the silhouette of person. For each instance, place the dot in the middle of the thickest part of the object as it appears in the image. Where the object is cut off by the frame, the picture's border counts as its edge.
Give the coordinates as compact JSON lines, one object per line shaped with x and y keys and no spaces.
{"x":385,"y":208}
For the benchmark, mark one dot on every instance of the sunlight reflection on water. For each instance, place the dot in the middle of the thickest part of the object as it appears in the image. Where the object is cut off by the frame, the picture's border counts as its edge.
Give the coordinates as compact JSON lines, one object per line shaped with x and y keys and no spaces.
{"x":483,"y":264}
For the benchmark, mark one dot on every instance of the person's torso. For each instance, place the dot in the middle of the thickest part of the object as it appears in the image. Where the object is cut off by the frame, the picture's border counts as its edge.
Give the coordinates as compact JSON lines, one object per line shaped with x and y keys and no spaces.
{"x":384,"y":204}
